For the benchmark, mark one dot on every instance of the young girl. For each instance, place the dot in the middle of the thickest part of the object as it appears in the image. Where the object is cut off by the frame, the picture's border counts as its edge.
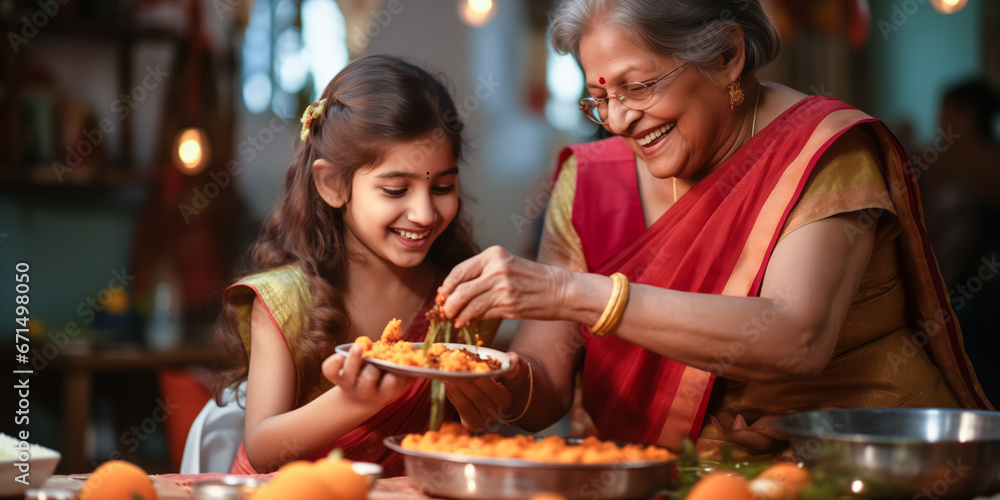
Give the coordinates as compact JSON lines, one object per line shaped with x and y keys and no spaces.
{"x":367,"y":228}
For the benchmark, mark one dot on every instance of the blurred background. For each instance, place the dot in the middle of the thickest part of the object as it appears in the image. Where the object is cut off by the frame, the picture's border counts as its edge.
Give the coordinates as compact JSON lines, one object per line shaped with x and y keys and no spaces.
{"x":143,"y":142}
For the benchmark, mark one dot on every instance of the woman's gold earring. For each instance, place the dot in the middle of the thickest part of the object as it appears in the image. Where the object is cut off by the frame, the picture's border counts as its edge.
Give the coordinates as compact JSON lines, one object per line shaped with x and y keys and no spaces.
{"x":735,"y":94}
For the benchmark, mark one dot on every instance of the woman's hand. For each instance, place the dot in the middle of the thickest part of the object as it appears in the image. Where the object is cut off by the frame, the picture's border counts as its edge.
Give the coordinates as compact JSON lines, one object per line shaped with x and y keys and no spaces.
{"x":363,"y":382}
{"x":484,"y":402}
{"x":496,"y":284}
{"x":753,"y":430}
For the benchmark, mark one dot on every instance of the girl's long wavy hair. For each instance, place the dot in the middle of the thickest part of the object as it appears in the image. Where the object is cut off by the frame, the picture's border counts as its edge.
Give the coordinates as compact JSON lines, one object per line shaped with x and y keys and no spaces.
{"x":375,"y":102}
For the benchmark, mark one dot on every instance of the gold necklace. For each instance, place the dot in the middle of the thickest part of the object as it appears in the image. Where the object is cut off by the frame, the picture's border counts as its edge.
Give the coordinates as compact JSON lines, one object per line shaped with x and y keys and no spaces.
{"x":753,"y":128}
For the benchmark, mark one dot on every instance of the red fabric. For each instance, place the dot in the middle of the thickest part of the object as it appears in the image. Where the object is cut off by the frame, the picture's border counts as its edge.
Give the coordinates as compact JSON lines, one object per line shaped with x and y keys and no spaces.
{"x":693,"y":247}
{"x":185,"y":390}
{"x":409,"y":413}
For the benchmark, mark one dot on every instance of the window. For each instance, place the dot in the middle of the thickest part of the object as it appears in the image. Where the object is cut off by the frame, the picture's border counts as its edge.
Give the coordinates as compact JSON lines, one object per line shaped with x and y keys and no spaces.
{"x":291,"y":50}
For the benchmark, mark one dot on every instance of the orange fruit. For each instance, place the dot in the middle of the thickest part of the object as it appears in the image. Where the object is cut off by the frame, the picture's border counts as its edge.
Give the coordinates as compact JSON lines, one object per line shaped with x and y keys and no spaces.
{"x":118,"y":480}
{"x":298,"y":480}
{"x":719,"y":485}
{"x":781,"y":481}
{"x":293,"y":465}
{"x":342,"y":479}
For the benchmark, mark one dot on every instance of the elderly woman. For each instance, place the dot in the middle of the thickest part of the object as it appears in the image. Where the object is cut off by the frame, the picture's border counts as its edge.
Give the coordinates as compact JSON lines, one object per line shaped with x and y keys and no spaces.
{"x":765,"y":249}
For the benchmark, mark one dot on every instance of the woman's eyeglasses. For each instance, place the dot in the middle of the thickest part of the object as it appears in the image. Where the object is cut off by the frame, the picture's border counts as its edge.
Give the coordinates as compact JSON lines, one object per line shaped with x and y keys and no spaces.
{"x":635,"y":95}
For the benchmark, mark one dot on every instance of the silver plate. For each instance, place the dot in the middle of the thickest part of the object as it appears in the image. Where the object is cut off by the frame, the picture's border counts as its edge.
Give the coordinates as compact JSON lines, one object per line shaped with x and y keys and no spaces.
{"x":901,"y":452}
{"x":413,"y":371}
{"x":471,"y":477}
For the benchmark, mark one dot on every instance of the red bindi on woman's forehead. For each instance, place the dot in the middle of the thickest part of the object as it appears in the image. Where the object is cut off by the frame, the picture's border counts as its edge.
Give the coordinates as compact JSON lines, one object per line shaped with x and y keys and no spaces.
{"x":601,"y":80}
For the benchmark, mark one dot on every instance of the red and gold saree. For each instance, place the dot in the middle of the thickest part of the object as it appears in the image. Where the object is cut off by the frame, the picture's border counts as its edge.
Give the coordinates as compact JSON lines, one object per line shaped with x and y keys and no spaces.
{"x":900,"y":345}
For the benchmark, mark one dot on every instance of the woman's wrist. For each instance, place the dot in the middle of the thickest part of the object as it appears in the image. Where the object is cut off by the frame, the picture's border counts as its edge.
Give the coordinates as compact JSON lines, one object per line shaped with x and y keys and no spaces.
{"x":521,"y":391}
{"x":586,"y":297}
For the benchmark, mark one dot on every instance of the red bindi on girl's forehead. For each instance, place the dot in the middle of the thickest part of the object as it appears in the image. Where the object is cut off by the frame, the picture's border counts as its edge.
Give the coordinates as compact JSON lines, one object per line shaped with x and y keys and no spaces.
{"x":601,"y":80}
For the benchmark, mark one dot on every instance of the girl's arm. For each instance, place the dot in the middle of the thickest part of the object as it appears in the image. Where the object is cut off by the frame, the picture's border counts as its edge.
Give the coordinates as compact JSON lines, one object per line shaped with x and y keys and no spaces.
{"x":276,"y":432}
{"x":788,"y":332}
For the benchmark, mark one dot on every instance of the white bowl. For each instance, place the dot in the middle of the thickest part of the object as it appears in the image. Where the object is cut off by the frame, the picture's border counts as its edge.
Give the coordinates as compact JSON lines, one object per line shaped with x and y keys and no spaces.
{"x":39,"y":464}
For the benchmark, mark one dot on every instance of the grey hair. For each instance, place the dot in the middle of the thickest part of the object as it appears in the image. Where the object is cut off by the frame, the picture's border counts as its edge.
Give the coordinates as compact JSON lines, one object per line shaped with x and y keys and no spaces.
{"x":696,"y":32}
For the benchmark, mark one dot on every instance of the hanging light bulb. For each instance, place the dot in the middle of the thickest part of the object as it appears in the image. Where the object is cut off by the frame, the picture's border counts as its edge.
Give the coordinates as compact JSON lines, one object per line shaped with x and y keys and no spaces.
{"x":191,"y":151}
{"x":948,"y":6}
{"x":476,"y":12}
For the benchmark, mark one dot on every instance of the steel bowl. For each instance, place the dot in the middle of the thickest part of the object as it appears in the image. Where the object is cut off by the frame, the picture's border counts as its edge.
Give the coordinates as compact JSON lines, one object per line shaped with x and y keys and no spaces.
{"x":472,"y":477}
{"x":923,"y":453}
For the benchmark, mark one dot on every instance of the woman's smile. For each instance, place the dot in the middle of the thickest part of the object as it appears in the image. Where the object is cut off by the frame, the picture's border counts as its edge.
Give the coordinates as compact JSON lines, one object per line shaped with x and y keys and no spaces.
{"x":651,"y":138}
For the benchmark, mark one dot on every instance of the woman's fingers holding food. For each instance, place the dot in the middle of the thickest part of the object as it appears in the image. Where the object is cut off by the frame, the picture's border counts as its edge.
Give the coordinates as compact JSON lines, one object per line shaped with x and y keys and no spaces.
{"x":471,"y":286}
{"x":472,"y":267}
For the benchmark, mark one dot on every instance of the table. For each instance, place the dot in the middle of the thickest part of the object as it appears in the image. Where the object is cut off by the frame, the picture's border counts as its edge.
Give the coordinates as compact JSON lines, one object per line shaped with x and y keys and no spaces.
{"x":78,"y":369}
{"x":178,"y":486}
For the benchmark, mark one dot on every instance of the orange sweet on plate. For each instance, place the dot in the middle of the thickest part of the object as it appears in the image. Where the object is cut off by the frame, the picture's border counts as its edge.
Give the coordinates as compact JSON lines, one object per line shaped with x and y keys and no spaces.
{"x":393,"y":349}
{"x":453,"y":438}
{"x":118,"y":480}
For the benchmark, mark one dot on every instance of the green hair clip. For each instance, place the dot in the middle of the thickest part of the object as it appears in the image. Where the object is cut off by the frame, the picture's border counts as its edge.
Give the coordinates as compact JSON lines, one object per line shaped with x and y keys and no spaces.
{"x":313,"y":111}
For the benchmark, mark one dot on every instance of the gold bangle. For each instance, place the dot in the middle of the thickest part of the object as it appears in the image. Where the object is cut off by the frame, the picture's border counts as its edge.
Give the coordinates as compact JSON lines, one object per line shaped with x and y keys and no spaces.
{"x":613,"y":312}
{"x":531,"y":391}
{"x":608,"y":309}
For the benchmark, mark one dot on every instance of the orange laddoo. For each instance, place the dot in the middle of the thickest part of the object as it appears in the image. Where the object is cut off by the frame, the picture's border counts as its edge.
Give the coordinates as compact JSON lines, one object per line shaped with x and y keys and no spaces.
{"x":781,"y":481}
{"x":720,"y":485}
{"x":341,"y":478}
{"x":327,"y":478}
{"x":118,"y":480}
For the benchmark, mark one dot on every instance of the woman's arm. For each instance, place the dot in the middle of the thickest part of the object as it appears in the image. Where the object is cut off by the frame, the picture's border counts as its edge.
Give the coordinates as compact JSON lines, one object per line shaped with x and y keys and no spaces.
{"x":275,"y":431}
{"x":788,"y":332}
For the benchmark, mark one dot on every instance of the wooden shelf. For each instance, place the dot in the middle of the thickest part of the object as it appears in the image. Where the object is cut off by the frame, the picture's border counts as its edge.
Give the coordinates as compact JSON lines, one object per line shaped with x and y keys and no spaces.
{"x":96,"y":29}
{"x":112,"y":188}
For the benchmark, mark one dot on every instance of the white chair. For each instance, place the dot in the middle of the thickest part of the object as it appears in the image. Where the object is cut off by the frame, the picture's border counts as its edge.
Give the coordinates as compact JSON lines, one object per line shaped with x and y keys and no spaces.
{"x":216,"y":434}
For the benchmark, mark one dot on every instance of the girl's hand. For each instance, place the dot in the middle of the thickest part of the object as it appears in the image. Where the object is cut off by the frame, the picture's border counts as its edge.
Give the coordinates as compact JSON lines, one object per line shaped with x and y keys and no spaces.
{"x":484,"y":402}
{"x":496,"y":284}
{"x":361,"y":381}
